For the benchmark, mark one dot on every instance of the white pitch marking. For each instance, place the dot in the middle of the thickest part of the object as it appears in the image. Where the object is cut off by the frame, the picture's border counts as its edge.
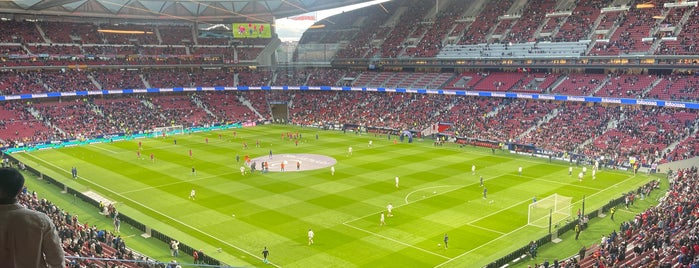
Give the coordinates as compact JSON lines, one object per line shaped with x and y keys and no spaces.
{"x":158,"y":212}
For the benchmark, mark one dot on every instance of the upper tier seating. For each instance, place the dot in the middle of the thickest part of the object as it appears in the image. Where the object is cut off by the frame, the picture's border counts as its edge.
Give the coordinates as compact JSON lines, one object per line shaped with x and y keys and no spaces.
{"x":71,"y":32}
{"x":148,"y":38}
{"x":532,"y":16}
{"x":626,"y":86}
{"x":498,"y":82}
{"x":485,"y":21}
{"x":19,"y":32}
{"x":676,"y":87}
{"x":433,"y":33}
{"x":394,"y":42}
{"x":176,"y":35}
{"x":579,"y":84}
{"x":686,"y":43}
{"x":635,"y":25}
{"x":518,"y":50}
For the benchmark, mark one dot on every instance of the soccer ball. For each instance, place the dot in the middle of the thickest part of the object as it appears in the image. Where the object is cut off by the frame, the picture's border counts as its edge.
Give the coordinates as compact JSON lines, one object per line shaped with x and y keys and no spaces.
{"x":434,"y":192}
{"x":233,"y":215}
{"x":439,"y":245}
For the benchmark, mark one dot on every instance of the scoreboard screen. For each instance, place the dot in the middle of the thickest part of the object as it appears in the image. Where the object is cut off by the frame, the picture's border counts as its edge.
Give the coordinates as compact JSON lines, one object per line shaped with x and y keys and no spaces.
{"x":251,"y":30}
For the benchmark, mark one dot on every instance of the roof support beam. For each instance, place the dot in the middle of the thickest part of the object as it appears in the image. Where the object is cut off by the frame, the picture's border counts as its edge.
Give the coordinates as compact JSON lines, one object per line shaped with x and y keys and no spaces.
{"x":44,"y":4}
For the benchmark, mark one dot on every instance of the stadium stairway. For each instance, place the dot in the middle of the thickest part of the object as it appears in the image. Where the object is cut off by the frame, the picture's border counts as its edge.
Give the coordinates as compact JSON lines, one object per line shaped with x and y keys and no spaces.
{"x":94,"y":82}
{"x":41,"y":32}
{"x":652,"y":86}
{"x":145,"y":82}
{"x":673,"y":145}
{"x":265,"y":56}
{"x":201,"y":105}
{"x":544,"y":120}
{"x":158,"y":35}
{"x":611,"y":125}
{"x":601,"y":85}
{"x":249,"y":105}
{"x":556,"y":83}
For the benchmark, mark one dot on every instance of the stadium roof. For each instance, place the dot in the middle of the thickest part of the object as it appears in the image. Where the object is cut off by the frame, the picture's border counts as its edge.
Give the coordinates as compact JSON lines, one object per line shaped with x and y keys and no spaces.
{"x":186,"y":10}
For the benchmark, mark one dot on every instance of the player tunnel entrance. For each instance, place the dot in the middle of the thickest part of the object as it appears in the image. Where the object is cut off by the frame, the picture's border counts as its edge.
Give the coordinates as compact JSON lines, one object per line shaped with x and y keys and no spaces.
{"x":280,"y":112}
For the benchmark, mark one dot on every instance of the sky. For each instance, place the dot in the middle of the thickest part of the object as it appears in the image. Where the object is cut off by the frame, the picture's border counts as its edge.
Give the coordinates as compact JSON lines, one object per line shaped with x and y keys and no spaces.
{"x":291,"y":30}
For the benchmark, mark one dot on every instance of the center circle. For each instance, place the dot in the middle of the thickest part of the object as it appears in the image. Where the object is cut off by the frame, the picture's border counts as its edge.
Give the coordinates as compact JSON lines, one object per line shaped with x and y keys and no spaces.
{"x":295,"y":162}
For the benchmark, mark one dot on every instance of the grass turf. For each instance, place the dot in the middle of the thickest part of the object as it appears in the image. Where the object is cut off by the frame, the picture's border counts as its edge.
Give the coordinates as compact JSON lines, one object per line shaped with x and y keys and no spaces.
{"x":438,"y":194}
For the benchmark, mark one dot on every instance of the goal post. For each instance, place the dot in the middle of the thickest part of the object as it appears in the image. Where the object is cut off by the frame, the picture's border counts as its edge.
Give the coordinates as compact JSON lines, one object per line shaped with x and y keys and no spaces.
{"x":557,"y":206}
{"x":166,"y":131}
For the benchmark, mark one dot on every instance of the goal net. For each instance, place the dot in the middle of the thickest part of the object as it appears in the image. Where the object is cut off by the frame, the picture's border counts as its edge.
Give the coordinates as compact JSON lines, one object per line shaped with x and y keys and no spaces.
{"x":166,"y":131}
{"x":558,"y":206}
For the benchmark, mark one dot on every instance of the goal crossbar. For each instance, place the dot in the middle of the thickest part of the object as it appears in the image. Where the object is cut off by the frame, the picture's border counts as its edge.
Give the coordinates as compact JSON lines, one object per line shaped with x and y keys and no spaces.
{"x":171,"y":130}
{"x":556,"y":207}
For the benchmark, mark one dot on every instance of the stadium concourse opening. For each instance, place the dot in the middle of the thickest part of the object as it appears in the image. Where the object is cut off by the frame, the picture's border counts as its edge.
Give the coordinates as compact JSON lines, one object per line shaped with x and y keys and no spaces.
{"x":295,"y":162}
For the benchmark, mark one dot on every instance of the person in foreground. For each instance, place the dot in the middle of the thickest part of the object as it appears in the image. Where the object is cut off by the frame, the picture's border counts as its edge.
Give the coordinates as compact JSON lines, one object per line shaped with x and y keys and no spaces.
{"x":27,"y":238}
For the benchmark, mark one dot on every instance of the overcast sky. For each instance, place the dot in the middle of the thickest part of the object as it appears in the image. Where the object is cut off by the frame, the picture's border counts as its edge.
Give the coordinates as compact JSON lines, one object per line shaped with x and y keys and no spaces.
{"x":291,"y":30}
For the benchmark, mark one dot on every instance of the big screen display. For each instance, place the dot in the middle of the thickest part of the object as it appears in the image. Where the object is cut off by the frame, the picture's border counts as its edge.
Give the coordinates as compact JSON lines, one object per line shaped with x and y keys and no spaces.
{"x":252,"y":30}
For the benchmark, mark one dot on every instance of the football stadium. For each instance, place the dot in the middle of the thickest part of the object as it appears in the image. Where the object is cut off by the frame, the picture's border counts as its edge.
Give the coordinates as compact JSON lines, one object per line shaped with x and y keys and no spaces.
{"x":405,"y":133}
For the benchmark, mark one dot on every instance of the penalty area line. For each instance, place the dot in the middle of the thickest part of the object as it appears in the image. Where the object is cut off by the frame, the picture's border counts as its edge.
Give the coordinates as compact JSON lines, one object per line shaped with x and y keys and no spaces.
{"x":572,"y":184}
{"x":396,"y":241}
{"x":522,"y":227}
{"x":406,"y":200}
{"x":485,"y":229}
{"x":97,"y":146}
{"x":433,"y":187}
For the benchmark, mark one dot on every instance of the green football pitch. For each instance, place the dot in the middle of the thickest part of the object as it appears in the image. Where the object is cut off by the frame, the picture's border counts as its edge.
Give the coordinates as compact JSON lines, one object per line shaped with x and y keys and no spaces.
{"x":438,"y":194}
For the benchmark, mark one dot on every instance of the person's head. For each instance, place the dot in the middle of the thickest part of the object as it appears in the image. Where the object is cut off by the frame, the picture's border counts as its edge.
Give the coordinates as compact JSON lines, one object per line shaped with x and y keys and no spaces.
{"x":11,"y":182}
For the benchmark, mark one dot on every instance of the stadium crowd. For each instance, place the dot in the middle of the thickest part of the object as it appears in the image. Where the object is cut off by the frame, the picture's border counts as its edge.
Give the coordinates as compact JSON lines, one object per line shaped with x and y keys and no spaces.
{"x":86,"y":246}
{"x":664,"y":234}
{"x":601,"y":130}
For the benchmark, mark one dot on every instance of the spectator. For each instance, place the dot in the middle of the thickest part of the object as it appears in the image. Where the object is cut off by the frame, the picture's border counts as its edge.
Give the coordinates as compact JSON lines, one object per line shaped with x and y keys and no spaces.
{"x":174,"y":248}
{"x":200,"y":253}
{"x":29,"y":237}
